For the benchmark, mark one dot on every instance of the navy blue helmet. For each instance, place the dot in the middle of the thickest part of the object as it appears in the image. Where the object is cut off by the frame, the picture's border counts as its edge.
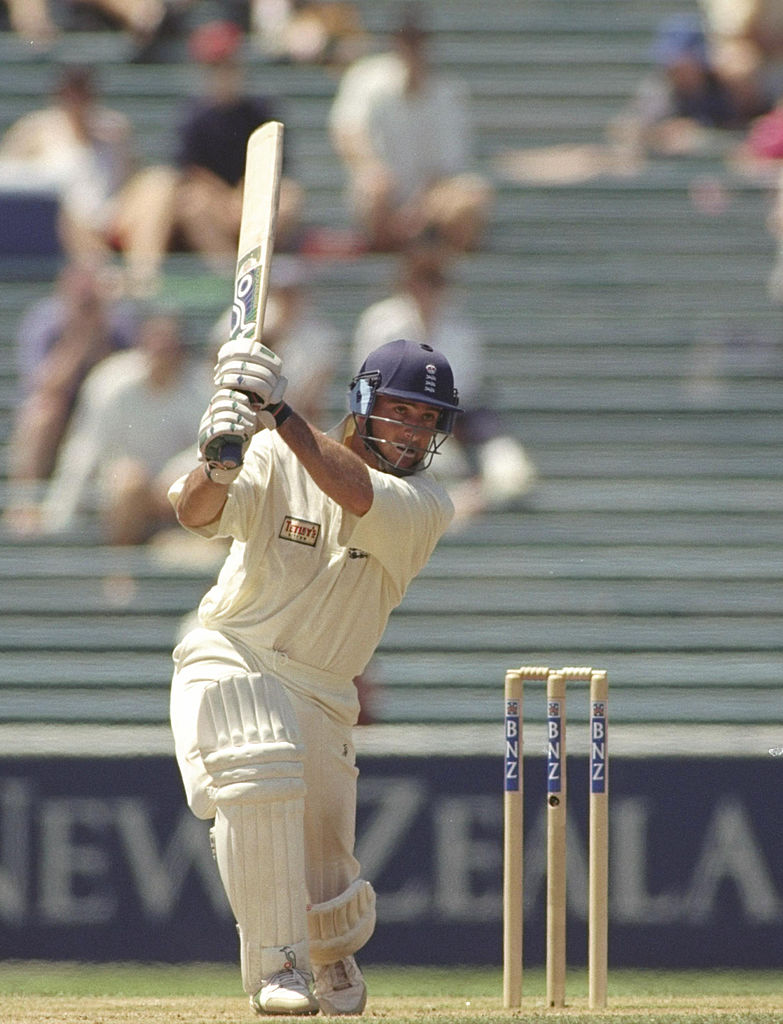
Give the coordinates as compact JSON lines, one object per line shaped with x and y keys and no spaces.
{"x":413,"y":372}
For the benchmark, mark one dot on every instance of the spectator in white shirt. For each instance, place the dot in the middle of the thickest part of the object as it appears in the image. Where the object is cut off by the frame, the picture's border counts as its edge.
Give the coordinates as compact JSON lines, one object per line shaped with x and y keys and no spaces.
{"x":405,"y":135}
{"x":136,"y":412}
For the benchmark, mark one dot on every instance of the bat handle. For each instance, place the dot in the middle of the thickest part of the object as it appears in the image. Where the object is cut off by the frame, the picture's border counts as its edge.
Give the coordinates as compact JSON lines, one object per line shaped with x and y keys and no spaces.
{"x":226,"y":451}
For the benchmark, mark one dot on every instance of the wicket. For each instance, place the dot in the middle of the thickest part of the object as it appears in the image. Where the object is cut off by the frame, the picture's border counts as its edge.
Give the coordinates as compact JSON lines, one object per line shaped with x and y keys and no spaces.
{"x":557,"y":791}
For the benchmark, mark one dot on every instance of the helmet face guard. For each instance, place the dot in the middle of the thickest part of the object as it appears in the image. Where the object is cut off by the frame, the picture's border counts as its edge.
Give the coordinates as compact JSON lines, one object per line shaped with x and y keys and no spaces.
{"x":412,"y":372}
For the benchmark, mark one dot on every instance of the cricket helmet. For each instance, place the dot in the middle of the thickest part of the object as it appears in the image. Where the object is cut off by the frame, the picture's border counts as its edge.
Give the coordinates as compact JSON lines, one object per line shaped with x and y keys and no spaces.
{"x":413,"y":372}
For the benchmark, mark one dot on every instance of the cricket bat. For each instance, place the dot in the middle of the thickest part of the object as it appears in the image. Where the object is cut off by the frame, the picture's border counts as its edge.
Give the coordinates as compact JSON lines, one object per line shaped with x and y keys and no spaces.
{"x":263,"y":168}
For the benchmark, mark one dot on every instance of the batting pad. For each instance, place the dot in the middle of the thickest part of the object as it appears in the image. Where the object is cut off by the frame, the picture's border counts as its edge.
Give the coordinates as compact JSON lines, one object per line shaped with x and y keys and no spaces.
{"x":342,"y":925}
{"x":249,"y":741}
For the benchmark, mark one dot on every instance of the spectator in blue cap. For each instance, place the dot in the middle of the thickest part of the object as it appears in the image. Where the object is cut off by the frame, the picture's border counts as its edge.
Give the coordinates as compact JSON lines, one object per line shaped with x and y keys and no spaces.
{"x":681,"y":38}
{"x":675,"y":107}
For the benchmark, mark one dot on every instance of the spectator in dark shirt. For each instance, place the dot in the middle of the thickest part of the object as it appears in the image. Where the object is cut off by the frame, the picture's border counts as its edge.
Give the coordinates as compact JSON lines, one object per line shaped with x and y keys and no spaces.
{"x":211,"y":153}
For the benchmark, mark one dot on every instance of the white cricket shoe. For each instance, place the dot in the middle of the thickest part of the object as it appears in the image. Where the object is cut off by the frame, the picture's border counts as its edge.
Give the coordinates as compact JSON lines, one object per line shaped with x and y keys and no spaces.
{"x":340,"y":988}
{"x":286,"y":992}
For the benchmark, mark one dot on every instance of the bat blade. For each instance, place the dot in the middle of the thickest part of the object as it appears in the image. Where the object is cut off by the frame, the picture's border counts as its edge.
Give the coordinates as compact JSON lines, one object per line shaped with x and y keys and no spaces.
{"x":260,"y":199}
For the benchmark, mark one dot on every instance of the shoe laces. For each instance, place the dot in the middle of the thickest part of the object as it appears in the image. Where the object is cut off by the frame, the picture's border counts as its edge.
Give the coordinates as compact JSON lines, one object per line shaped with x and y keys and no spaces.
{"x":290,"y":977}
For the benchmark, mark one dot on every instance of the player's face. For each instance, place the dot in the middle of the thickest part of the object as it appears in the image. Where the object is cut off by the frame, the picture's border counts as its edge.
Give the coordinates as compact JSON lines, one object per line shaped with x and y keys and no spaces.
{"x":402,"y":430}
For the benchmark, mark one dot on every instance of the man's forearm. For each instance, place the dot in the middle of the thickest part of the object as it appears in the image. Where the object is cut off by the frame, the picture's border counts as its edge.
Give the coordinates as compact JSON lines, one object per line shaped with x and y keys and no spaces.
{"x":201,"y":500}
{"x":338,"y":471}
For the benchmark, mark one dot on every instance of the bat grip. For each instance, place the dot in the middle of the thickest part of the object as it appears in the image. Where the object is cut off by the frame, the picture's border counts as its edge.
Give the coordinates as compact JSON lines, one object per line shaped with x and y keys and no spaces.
{"x":225,"y":450}
{"x":231,"y":452}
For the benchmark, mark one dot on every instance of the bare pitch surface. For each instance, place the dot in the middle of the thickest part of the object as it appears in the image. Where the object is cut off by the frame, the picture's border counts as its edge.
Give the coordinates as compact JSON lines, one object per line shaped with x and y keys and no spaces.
{"x":45,"y":993}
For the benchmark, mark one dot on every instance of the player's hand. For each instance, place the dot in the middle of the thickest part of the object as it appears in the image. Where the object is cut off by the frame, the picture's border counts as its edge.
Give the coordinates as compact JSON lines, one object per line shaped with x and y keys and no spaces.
{"x":229,"y":419}
{"x":254,"y":369}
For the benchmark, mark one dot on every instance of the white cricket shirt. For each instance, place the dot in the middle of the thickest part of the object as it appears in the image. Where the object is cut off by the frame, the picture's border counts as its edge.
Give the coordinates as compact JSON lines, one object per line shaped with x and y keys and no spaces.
{"x":306,"y":579}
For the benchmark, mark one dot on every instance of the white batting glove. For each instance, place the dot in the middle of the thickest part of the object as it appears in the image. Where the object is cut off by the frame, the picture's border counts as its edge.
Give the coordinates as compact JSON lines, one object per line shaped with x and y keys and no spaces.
{"x":256,"y":370}
{"x":230,"y":419}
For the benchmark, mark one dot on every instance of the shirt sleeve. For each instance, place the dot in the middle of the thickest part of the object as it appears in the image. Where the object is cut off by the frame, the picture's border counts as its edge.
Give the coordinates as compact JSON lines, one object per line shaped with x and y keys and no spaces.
{"x":243,"y":494}
{"x":407,"y":518}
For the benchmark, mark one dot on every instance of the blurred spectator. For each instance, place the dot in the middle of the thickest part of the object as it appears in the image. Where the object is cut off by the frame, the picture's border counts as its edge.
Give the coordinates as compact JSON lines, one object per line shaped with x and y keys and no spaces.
{"x":758,"y":155}
{"x":211,"y":156}
{"x":309,"y":346}
{"x":764,"y":140}
{"x":83,"y":151}
{"x":746,"y":37}
{"x":135,"y":413}
{"x":679,"y":108}
{"x":32,"y":21}
{"x":307,"y":32}
{"x":426,"y":307}
{"x":685,"y":97}
{"x":141,"y":18}
{"x":361,"y":86}
{"x":148,"y":24}
{"x":60,"y":339}
{"x":405,"y":136}
{"x":86,"y":294}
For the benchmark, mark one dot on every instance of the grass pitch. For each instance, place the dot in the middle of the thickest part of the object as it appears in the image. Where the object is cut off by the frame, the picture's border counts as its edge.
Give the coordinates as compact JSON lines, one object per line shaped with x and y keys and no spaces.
{"x":67,"y":993}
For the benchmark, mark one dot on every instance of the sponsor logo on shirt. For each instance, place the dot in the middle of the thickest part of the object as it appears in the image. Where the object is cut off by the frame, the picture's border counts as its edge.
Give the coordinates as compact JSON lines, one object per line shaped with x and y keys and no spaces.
{"x":300,"y":531}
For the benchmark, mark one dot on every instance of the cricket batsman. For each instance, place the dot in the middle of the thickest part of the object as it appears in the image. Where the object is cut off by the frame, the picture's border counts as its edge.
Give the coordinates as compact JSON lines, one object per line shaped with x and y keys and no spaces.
{"x":327,"y":530}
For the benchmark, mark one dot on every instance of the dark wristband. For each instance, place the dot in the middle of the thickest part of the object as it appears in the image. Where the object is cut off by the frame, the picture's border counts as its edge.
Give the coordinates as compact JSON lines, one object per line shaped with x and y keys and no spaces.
{"x":281,"y":413}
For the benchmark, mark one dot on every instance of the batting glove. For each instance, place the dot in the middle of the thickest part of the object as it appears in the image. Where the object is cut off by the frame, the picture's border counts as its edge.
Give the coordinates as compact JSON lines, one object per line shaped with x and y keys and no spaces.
{"x":256,"y":370}
{"x":229,"y":419}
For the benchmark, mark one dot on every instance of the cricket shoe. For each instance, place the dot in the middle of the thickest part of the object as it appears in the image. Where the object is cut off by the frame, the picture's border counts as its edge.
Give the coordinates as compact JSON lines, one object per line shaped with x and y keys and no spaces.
{"x":340,"y":988}
{"x":286,"y":992}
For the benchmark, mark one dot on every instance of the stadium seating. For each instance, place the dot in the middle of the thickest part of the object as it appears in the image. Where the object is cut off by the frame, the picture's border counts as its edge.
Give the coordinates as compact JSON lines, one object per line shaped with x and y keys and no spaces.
{"x":633,"y":349}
